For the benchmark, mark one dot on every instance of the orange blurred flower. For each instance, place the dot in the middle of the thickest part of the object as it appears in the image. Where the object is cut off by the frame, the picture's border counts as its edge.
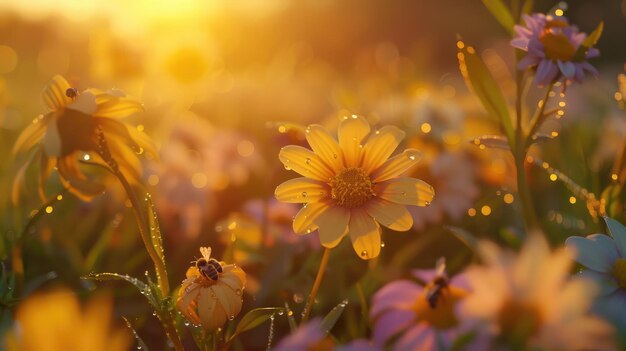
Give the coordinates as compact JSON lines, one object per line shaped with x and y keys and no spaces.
{"x":77,"y":123}
{"x":352,"y":186}
{"x":55,"y":322}
{"x":212,"y":292}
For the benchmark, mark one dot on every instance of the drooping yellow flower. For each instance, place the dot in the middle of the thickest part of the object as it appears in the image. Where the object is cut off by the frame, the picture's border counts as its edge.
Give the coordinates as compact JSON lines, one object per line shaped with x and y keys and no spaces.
{"x":212,"y":292}
{"x":78,"y":123}
{"x":55,"y":322}
{"x":352,"y":185}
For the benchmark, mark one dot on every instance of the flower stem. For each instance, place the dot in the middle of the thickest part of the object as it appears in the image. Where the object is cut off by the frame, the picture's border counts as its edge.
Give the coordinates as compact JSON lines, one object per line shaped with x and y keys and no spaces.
{"x":519,"y":149}
{"x":316,"y":285}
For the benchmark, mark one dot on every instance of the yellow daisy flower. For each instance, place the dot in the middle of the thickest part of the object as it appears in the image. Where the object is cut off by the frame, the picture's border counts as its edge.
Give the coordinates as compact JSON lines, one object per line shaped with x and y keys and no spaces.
{"x":352,"y":185}
{"x":212,"y":292}
{"x":79,"y":122}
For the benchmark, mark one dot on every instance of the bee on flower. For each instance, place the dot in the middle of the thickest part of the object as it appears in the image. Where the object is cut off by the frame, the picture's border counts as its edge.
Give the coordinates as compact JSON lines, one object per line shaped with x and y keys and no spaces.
{"x":212,"y":292}
{"x":77,"y":123}
{"x":555,"y":49}
{"x":409,"y":316}
{"x":350,"y":185}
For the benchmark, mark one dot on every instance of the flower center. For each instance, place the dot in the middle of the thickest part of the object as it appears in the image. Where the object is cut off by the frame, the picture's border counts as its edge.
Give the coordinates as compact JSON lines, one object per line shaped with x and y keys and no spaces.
{"x":518,"y":321}
{"x":440,"y":314}
{"x":619,"y":272}
{"x":557,"y":46}
{"x":352,"y":187}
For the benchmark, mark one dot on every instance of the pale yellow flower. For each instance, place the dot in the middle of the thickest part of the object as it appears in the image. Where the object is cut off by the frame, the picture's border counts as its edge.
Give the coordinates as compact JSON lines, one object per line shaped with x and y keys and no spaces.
{"x":352,"y":185}
{"x":55,"y":322}
{"x":73,"y":125}
{"x":208,"y":297}
{"x":530,"y":300}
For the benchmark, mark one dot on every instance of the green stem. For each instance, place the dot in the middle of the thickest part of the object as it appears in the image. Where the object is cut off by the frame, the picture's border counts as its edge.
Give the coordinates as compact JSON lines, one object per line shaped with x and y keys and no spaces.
{"x":142,"y":223}
{"x":519,"y":149}
{"x":316,"y":285}
{"x":538,"y":118}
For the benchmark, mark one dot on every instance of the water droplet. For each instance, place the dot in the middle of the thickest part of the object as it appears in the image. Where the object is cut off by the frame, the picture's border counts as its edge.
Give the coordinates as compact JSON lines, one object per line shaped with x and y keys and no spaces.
{"x":426,"y":203}
{"x":308,"y":161}
{"x":304,"y":194}
{"x":308,"y":231}
{"x":364,"y":253}
{"x":382,"y":244}
{"x":412,"y":158}
{"x":230,"y":318}
{"x":298,"y":298}
{"x":335,"y":156}
{"x":154,"y":313}
{"x":238,"y":292}
{"x":187,"y":323}
{"x":281,"y":312}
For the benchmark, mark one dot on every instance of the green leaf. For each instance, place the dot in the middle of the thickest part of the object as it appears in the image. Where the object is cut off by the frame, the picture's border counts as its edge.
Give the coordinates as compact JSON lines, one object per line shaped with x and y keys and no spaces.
{"x":333,"y":316}
{"x":501,"y":12}
{"x":480,"y":80}
{"x":589,"y":42}
{"x":155,"y":230}
{"x":140,"y":343}
{"x":255,"y":318}
{"x":143,"y":288}
{"x":492,"y":142}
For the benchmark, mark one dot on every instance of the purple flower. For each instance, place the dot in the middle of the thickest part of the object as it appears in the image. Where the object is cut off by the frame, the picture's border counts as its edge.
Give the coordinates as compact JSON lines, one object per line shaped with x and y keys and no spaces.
{"x":553,"y":46}
{"x":306,"y":338}
{"x":605,"y":259}
{"x":406,"y":315}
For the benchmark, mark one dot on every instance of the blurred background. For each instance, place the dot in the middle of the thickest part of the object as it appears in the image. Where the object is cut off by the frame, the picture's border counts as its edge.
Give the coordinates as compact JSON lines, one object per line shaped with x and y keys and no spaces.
{"x":225,"y":84}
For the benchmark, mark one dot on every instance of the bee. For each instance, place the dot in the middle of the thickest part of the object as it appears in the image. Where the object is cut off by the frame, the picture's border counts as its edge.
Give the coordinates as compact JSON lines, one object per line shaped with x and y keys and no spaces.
{"x":71,"y":93}
{"x":207,"y":266}
{"x":436,"y":288}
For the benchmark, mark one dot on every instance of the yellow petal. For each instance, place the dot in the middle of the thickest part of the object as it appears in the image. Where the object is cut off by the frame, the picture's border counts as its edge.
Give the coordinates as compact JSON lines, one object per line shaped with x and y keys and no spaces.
{"x":192,"y":272}
{"x":187,"y":300}
{"x":118,"y":129}
{"x":380,"y":145}
{"x":32,"y":134}
{"x":365,"y":234}
{"x":304,"y":222}
{"x":391,"y":215}
{"x":406,"y":191}
{"x":301,"y":190}
{"x":352,"y":131}
{"x":396,"y":165}
{"x":305,"y":162}
{"x":53,"y":95}
{"x":333,"y":225}
{"x":324,"y":145}
{"x":234,"y":277}
{"x":207,"y":310}
{"x":84,"y":103}
{"x":127,"y":160}
{"x":75,"y":181}
{"x":51,"y":142}
{"x":110,"y":106}
{"x":230,"y":301}
{"x":18,"y":182}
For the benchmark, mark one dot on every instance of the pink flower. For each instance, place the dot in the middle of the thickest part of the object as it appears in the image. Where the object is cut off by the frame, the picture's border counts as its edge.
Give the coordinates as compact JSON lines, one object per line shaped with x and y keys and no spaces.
{"x":419,"y":317}
{"x":553,"y":47}
{"x":308,"y":337}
